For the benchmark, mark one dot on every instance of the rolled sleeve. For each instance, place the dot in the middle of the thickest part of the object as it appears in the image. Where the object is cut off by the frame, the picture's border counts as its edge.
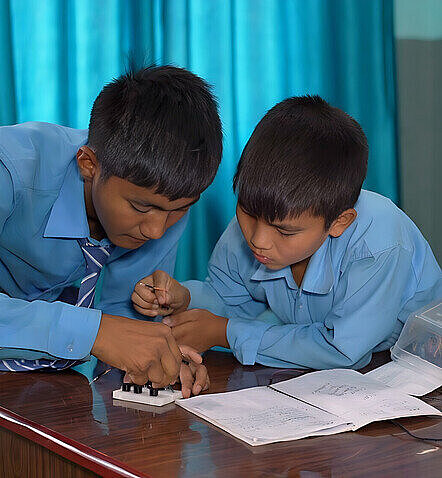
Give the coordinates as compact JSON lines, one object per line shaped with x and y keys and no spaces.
{"x":245,"y":336}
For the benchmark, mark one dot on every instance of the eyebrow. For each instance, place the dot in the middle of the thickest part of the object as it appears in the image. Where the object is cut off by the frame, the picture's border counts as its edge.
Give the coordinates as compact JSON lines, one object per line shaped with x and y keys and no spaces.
{"x":147,"y":204}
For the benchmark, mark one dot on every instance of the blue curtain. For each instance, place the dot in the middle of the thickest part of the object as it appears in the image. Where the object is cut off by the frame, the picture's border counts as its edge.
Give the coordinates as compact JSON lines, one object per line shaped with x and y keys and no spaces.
{"x":55,"y":56}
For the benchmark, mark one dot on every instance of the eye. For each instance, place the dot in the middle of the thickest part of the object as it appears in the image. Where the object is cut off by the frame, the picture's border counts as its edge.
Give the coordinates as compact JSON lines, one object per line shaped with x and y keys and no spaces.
{"x":285,"y":234}
{"x":146,"y":209}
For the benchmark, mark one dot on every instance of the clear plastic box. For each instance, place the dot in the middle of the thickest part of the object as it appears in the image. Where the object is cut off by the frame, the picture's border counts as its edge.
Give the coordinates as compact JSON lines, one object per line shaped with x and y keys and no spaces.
{"x":419,"y":346}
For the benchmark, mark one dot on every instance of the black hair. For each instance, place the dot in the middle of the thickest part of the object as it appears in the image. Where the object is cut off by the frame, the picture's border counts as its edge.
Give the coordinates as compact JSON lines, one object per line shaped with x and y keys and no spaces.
{"x":303,"y":156}
{"x":158,"y":127}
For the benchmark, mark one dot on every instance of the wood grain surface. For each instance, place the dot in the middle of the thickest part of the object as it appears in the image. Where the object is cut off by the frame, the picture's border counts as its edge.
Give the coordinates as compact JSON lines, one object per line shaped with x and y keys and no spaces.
{"x":171,"y":442}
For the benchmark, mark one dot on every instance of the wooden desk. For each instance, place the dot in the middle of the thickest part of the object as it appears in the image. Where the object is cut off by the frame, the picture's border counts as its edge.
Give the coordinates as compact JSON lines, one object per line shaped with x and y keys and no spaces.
{"x":87,"y":434}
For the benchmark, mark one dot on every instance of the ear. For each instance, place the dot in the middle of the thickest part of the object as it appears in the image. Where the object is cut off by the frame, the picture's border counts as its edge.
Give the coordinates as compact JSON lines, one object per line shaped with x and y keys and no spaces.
{"x":341,"y":223}
{"x":87,"y":163}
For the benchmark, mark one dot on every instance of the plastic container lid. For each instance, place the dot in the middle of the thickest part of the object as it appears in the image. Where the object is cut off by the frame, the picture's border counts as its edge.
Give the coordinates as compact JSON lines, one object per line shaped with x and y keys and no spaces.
{"x":419,"y":346}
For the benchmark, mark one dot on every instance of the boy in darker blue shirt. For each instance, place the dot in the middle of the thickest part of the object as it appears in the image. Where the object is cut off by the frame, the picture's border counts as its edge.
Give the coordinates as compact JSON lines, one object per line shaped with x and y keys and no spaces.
{"x":312,"y":272}
{"x":72,"y":201}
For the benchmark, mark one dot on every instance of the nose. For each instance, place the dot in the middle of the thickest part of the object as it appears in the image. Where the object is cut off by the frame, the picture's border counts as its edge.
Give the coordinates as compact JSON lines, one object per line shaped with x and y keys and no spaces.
{"x":154,"y":225}
{"x":260,"y":238}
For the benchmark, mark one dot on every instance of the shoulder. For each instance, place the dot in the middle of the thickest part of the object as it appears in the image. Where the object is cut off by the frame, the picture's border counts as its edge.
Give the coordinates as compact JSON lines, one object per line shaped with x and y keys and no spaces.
{"x":36,"y":154}
{"x":381,"y":225}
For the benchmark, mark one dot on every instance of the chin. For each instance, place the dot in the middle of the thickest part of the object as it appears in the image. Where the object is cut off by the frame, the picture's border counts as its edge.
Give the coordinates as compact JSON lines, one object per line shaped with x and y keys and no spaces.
{"x":274,"y":267}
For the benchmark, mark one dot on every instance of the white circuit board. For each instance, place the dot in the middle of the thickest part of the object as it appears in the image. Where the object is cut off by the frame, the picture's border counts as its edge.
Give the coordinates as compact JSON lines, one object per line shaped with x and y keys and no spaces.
{"x":163,"y":398}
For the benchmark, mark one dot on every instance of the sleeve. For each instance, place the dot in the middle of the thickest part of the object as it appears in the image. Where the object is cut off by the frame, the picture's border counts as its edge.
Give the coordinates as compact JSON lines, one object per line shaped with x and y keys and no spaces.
{"x":223,"y":292}
{"x":50,"y":328}
{"x":367,"y":303}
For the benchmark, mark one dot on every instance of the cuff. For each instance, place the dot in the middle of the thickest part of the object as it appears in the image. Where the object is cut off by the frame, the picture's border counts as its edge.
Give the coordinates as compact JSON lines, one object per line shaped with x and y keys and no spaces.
{"x":74,"y":333}
{"x":244,"y":338}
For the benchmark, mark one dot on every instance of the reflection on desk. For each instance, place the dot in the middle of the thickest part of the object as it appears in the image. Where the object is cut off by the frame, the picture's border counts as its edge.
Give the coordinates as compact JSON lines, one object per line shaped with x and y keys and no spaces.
{"x":172,"y":442}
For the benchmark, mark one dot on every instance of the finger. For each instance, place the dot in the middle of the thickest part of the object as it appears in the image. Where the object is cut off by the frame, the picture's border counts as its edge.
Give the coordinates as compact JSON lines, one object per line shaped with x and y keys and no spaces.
{"x":126,"y":378}
{"x":175,"y":320}
{"x":156,"y":375}
{"x":186,"y":378}
{"x":173,"y":346}
{"x":165,"y":311}
{"x":191,"y":354}
{"x":200,"y":379}
{"x":143,"y":302}
{"x":138,"y":378}
{"x":148,"y":312}
{"x":143,"y":291}
{"x":171,"y":360}
{"x":161,"y":280}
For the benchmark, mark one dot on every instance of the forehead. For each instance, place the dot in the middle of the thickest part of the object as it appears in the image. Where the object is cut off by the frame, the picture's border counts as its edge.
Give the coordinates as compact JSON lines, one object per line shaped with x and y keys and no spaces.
{"x":306,"y":220}
{"x":142,"y":195}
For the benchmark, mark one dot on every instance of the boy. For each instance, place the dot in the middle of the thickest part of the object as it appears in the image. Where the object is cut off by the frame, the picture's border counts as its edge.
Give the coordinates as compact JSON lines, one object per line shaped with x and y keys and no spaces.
{"x":313,"y":272}
{"x":72,"y":200}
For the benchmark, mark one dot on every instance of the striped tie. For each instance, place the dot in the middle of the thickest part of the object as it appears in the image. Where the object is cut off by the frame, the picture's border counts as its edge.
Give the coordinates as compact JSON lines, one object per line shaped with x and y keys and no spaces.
{"x":96,"y":257}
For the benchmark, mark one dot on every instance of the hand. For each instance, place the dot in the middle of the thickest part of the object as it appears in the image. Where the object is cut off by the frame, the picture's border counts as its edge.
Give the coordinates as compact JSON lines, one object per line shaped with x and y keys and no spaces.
{"x":198,"y":328}
{"x":145,"y":350}
{"x":194,"y":377}
{"x":168,"y":297}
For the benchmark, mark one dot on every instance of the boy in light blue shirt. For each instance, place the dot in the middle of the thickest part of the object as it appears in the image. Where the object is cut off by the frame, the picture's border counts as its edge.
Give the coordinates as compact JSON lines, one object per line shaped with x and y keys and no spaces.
{"x":313,"y":271}
{"x":110,"y":201}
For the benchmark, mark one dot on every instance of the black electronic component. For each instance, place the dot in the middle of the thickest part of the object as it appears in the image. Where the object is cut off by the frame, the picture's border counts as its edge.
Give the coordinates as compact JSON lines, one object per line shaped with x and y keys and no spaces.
{"x":154,"y":392}
{"x":138,"y":388}
{"x":126,"y":387}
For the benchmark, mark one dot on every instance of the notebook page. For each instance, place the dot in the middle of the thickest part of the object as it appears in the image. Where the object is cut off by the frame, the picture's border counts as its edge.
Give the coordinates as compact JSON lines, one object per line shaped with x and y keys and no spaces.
{"x":261,"y":415}
{"x":353,"y":396}
{"x":405,"y":379}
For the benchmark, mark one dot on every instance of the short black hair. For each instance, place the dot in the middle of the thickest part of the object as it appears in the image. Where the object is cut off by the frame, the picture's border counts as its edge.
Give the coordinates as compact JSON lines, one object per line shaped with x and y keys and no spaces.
{"x":158,"y":127}
{"x":303,"y":156}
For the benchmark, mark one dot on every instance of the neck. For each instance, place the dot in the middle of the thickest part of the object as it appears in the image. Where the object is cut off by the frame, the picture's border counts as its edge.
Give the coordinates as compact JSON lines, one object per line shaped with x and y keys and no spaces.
{"x":96,"y":229}
{"x":298,"y":270}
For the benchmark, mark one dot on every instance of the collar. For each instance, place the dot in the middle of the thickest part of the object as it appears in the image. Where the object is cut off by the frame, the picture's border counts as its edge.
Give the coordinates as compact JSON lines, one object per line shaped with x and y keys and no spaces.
{"x":318,"y":278}
{"x":67,"y":218}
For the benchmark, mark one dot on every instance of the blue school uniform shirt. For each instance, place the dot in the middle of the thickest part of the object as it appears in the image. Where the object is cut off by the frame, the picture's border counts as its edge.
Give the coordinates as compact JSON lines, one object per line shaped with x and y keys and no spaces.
{"x":42,"y":214}
{"x":356,"y":293}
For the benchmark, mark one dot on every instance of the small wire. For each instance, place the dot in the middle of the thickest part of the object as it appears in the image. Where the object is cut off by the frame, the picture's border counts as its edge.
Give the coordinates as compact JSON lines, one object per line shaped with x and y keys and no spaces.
{"x":412,"y":434}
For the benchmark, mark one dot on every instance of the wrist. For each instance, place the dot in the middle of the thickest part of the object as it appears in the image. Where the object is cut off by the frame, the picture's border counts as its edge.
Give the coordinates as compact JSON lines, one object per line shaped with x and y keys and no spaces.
{"x":185,"y":301}
{"x":100,"y":339}
{"x":220,"y":332}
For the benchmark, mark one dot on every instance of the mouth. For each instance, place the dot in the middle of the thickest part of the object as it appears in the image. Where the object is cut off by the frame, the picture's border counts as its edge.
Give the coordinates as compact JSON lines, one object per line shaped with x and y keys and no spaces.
{"x":136,"y":239}
{"x":262,"y":259}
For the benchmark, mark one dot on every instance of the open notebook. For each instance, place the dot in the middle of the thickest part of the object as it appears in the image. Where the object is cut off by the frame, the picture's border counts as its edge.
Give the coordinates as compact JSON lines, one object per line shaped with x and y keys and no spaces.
{"x":318,"y":403}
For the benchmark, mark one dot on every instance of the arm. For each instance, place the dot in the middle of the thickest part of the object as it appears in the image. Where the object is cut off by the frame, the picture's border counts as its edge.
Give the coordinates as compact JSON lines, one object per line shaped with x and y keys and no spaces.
{"x":368,"y":300}
{"x":51,"y":328}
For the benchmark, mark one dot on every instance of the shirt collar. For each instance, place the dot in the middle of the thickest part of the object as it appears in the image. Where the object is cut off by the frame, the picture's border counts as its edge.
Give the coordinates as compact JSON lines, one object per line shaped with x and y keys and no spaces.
{"x":318,"y":278}
{"x":68,"y":218}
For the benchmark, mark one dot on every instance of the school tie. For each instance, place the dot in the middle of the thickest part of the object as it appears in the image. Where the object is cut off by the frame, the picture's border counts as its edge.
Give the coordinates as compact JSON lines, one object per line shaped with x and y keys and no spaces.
{"x":95,"y":257}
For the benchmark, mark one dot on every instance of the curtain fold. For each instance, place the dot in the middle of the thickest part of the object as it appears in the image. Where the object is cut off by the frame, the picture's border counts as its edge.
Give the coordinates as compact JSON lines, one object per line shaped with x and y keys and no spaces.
{"x":56,"y":55}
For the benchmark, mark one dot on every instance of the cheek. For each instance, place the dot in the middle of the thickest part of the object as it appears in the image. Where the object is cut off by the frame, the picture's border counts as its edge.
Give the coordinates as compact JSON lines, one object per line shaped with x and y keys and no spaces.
{"x":113,"y":214}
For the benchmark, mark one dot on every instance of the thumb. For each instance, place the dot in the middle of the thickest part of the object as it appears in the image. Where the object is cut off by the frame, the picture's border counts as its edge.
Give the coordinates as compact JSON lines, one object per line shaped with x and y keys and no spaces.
{"x":191,"y":354}
{"x":161,"y":282}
